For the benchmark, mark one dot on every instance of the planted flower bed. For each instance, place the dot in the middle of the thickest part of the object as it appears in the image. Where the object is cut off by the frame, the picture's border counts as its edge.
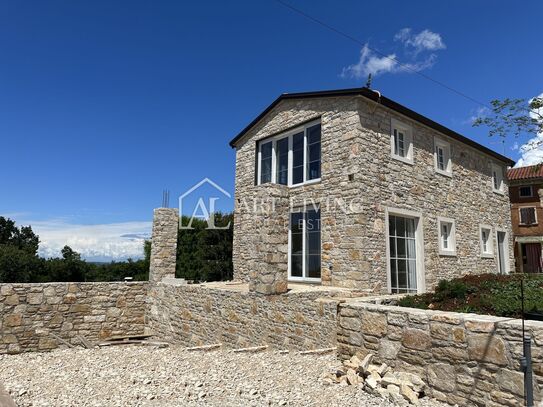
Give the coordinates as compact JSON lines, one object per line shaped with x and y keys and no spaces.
{"x":490,"y":294}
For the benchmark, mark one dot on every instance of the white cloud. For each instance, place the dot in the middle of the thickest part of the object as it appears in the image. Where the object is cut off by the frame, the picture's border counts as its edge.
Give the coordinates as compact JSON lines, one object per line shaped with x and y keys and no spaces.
{"x":480,"y":112}
{"x":426,"y":40}
{"x":413,"y":44}
{"x":105,"y":242}
{"x":532,"y":150}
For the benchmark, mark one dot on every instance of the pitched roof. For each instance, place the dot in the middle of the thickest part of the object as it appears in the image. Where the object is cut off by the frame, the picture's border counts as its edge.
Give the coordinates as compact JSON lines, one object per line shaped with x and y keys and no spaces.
{"x":376,"y":97}
{"x":530,"y":172}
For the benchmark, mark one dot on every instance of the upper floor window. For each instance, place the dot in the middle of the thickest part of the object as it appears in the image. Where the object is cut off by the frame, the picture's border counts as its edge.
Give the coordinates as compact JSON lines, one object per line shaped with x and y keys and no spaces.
{"x":525,"y":192}
{"x":497,"y":178}
{"x":401,"y":141}
{"x":292,"y":158}
{"x":528,"y":216}
{"x":442,"y":157}
{"x":447,"y":239}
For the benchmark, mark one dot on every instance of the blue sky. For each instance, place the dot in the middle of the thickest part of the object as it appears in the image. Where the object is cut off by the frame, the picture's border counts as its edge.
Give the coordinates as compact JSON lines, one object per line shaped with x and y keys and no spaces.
{"x":104,"y":104}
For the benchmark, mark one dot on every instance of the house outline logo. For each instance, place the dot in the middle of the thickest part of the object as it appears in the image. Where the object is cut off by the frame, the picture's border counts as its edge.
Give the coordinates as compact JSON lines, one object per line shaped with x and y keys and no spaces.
{"x":207,"y":211}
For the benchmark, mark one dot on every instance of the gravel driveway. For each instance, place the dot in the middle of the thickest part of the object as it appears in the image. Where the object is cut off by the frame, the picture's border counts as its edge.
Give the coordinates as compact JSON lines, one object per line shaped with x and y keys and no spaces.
{"x":143,"y":376}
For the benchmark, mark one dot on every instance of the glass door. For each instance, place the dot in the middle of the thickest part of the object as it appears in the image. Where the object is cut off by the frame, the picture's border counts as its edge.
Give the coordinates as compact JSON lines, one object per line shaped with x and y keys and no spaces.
{"x":305,"y":245}
{"x":403,"y":254}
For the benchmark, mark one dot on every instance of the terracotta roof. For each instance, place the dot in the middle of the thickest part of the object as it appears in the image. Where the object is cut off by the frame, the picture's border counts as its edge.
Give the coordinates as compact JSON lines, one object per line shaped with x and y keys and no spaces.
{"x":376,"y":97}
{"x":530,"y":172}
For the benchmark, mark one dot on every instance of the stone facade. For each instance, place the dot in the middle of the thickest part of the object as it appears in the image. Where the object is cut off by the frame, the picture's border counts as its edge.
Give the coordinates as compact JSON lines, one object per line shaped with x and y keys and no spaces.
{"x":359,"y":181}
{"x":195,"y":315}
{"x":95,"y":311}
{"x":164,"y":244}
{"x":466,"y":359}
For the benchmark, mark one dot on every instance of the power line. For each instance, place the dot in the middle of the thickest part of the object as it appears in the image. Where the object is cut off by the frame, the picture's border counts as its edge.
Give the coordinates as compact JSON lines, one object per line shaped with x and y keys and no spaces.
{"x":405,"y":66}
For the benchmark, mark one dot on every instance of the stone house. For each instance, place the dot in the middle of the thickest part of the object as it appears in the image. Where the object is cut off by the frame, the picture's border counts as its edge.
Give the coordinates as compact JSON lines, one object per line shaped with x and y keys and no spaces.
{"x":526,"y":193}
{"x":349,"y":188}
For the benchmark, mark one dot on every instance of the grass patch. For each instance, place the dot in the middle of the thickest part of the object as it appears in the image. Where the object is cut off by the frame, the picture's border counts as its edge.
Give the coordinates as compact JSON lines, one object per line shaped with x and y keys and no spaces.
{"x":488,"y":294}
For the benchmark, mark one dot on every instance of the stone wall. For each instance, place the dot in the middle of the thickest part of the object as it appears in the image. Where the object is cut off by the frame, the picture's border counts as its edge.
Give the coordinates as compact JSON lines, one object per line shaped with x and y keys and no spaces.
{"x":466,"y":359}
{"x":95,"y":311}
{"x":269,"y":271}
{"x":198,"y":314}
{"x":164,"y":244}
{"x":357,"y":167}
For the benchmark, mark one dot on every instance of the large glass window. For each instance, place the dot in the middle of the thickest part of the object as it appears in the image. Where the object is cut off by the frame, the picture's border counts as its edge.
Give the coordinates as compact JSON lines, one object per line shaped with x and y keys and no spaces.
{"x":298,"y":158}
{"x":305,"y":244}
{"x":293,"y":158}
{"x":266,"y":162}
{"x":281,"y":151}
{"x":314,"y":152}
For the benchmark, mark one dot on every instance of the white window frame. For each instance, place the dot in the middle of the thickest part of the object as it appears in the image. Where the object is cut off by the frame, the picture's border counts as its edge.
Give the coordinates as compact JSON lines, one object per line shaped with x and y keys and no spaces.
{"x":489,"y":253}
{"x":289,"y":133}
{"x":408,"y":138}
{"x":419,"y":245}
{"x":526,"y":196}
{"x":498,"y":169}
{"x":302,"y":209}
{"x":506,"y":252}
{"x":451,"y":250}
{"x":520,"y":216}
{"x":446,"y":147}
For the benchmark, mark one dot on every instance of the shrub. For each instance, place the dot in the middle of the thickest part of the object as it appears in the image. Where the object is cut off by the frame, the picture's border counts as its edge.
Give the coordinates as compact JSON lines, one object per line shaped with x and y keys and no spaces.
{"x":483,"y":294}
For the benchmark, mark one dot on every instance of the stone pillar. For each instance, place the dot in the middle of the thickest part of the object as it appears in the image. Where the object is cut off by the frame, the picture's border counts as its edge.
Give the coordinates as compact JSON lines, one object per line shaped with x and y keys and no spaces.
{"x":164,"y":244}
{"x":269,"y":271}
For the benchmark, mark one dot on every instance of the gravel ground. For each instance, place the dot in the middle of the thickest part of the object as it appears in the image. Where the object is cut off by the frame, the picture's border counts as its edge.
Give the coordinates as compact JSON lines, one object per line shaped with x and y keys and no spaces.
{"x":143,"y":376}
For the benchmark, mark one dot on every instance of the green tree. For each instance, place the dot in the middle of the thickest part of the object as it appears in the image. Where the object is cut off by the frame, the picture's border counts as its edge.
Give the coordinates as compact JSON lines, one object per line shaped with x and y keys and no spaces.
{"x":23,"y":238}
{"x":205,"y":254}
{"x":19,"y":261}
{"x":514,"y":117}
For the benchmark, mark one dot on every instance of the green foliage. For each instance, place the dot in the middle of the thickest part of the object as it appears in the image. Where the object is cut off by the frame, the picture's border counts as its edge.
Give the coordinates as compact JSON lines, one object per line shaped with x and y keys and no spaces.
{"x":205,"y":254}
{"x":19,"y":261}
{"x":513,"y":117}
{"x":483,"y":294}
{"x":22,"y":238}
{"x":17,"y":265}
{"x":452,"y":289}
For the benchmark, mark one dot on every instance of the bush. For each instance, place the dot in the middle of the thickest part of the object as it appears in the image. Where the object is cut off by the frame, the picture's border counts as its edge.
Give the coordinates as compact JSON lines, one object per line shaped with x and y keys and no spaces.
{"x":483,"y":294}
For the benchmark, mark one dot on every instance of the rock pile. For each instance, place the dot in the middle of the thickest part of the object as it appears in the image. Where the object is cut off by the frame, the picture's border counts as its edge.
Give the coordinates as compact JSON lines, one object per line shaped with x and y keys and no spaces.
{"x":400,"y":387}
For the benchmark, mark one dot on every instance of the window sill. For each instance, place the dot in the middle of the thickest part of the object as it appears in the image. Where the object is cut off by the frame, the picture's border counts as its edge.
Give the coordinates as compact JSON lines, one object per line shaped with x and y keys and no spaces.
{"x":444,"y":173}
{"x":406,"y":160}
{"x":304,"y":280}
{"x":527,"y":224}
{"x":311,"y":182}
{"x":487,"y":255}
{"x":447,"y":253}
{"x":498,"y":191}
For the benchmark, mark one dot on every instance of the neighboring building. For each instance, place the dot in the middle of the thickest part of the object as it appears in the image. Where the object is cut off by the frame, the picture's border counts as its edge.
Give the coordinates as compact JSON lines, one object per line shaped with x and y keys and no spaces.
{"x":526,"y":193}
{"x":368,"y":194}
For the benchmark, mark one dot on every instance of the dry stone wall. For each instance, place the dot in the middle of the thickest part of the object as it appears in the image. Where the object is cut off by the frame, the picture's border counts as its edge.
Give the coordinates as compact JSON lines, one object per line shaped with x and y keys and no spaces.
{"x":95,"y":311}
{"x":196,"y":315}
{"x":466,"y":359}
